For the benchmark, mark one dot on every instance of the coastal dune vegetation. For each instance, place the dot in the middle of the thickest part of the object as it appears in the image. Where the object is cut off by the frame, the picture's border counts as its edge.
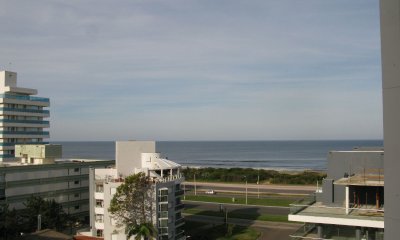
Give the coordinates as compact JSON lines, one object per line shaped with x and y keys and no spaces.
{"x":263,"y":176}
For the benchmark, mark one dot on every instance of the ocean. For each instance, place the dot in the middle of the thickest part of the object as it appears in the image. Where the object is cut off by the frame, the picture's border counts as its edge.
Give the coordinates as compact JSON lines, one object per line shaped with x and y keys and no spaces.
{"x":278,"y":155}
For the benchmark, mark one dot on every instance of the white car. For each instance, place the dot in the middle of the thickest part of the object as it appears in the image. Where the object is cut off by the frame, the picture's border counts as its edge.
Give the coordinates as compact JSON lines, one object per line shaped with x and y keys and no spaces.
{"x":210,"y":191}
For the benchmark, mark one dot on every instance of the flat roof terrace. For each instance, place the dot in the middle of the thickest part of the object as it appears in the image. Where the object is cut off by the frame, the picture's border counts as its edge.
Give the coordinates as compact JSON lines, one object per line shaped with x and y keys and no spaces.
{"x":366,"y":216}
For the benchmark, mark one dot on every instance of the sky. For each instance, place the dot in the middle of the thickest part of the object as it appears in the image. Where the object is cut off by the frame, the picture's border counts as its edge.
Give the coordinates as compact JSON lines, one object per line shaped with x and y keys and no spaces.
{"x":199,"y":69}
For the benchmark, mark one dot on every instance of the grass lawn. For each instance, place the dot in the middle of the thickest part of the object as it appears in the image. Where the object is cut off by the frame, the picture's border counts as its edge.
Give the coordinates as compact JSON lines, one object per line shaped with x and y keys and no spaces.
{"x":260,"y":217}
{"x":242,"y":200}
{"x":207,"y":231}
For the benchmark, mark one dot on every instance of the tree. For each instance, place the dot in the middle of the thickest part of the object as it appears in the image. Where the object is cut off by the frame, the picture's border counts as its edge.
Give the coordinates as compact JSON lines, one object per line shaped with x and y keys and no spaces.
{"x":145,"y":230}
{"x":132,"y":206}
{"x":52,"y":214}
{"x":10,"y":226}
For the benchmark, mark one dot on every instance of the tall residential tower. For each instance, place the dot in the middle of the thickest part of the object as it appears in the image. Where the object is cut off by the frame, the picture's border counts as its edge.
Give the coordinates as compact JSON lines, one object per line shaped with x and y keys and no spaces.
{"x":22,"y":116}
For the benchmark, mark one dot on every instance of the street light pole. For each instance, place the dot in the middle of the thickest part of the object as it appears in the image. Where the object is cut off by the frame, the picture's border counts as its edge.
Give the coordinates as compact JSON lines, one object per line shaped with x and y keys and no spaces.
{"x":246,"y":191}
{"x":195,"y":188}
{"x":258,"y":183}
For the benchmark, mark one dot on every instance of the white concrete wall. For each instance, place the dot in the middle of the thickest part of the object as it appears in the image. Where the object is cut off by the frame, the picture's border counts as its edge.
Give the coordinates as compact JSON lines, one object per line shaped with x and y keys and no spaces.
{"x":128,"y":155}
{"x":7,"y":78}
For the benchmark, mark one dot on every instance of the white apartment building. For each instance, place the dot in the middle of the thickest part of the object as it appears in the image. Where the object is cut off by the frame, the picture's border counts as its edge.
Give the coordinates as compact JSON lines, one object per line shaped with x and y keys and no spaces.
{"x":350,"y":203}
{"x":22,"y":116}
{"x":133,"y":157}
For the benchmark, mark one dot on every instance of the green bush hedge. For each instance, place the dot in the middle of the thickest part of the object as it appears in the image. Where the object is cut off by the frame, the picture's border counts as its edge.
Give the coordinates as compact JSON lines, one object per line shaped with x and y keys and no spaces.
{"x":251,"y":174}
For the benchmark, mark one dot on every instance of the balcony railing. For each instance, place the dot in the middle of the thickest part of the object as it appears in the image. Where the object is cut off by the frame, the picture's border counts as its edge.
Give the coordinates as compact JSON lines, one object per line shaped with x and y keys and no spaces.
{"x":180,"y":235}
{"x":28,"y":98}
{"x":24,"y":110}
{"x":179,"y":193}
{"x":163,"y":214}
{"x":24,"y":133}
{"x":302,"y":203}
{"x":302,"y":231}
{"x":17,"y":143}
{"x":170,"y":178}
{"x":163,"y":230}
{"x":6,"y":156}
{"x":179,"y":207}
{"x":179,"y":221}
{"x":25,"y":121}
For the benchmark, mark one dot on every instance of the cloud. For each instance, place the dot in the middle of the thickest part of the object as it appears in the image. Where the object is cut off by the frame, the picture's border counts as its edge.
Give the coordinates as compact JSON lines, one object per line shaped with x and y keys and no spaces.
{"x":217,"y":69}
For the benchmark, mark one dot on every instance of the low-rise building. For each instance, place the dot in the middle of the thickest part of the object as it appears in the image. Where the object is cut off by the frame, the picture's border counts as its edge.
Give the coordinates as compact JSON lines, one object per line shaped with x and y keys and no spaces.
{"x":38,"y":173}
{"x":350,"y":203}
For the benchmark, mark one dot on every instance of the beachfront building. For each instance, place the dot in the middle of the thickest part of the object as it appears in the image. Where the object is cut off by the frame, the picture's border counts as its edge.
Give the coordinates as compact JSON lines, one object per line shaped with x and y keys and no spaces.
{"x":38,"y":173}
{"x":350,"y":203}
{"x":22,"y":116}
{"x":133,"y":157}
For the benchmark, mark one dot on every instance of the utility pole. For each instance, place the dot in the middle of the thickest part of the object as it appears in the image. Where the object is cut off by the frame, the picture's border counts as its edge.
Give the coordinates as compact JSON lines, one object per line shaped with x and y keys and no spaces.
{"x":195,"y":188}
{"x":246,"y":191}
{"x":258,"y":183}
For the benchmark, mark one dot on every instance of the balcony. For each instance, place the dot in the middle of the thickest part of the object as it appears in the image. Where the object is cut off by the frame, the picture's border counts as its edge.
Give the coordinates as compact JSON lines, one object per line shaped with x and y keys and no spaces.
{"x":25,"y":110}
{"x":25,"y":121}
{"x":24,"y":133}
{"x":163,"y":214}
{"x":26,"y":98}
{"x":99,"y":225}
{"x":179,"y":193}
{"x":18,"y":143}
{"x":179,"y":207}
{"x":179,"y":222}
{"x":99,"y":195}
{"x":99,"y":210}
{"x":180,"y":235}
{"x":163,"y":231}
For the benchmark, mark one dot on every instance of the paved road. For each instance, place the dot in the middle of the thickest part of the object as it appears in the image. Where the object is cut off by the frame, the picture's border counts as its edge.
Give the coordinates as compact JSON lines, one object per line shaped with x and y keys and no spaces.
{"x":237,"y":208}
{"x":252,"y":189}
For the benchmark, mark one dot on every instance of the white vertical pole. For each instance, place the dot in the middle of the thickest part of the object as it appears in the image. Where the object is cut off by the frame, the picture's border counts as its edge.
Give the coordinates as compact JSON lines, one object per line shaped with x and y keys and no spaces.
{"x":347,"y":200}
{"x":195,"y":188}
{"x":246,"y":191}
{"x":258,"y":183}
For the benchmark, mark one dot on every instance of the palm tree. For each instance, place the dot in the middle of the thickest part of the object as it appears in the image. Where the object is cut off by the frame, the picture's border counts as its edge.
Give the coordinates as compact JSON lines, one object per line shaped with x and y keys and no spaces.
{"x":143,"y":230}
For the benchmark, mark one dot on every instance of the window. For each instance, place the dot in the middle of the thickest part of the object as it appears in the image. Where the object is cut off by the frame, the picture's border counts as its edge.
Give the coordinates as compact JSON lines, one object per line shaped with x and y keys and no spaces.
{"x":76,"y":195}
{"x":163,"y":199}
{"x":99,"y":188}
{"x":113,"y":190}
{"x":99,"y":218}
{"x":163,"y":192}
{"x":76,"y":170}
{"x":99,"y":203}
{"x":76,"y":207}
{"x":76,"y":182}
{"x":163,"y":223}
{"x":163,"y":207}
{"x":99,"y":233}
